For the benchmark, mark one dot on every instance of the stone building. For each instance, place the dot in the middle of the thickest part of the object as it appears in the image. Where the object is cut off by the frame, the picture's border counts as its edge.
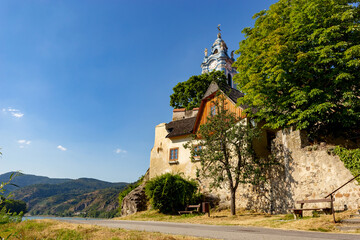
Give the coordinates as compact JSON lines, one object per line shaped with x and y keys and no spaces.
{"x":301,"y":174}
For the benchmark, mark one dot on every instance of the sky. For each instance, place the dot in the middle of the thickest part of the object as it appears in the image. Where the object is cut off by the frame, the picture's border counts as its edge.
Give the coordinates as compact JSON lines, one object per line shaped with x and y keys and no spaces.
{"x":84,"y":82}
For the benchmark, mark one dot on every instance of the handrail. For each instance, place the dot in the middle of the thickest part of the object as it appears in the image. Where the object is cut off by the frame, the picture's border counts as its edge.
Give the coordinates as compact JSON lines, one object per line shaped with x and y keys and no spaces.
{"x":342,"y":186}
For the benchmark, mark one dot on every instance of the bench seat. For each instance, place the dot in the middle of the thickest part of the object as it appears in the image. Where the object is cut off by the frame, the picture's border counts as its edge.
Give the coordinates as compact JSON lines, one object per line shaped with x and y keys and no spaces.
{"x":188,"y":211}
{"x":326,"y":210}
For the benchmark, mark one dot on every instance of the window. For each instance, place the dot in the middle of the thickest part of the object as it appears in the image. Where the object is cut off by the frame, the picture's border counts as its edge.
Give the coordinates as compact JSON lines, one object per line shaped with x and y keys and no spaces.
{"x":174,"y":154}
{"x":196,"y":151}
{"x":229,"y":80}
{"x":213,"y":111}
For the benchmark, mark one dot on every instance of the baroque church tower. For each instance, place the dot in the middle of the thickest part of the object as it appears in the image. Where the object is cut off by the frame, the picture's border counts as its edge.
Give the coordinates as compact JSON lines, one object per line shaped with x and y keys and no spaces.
{"x":219,"y":60}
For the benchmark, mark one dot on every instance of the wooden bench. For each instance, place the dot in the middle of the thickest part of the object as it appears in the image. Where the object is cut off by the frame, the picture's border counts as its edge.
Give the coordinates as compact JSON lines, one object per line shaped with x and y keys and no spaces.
{"x":326,"y":210}
{"x":196,"y":208}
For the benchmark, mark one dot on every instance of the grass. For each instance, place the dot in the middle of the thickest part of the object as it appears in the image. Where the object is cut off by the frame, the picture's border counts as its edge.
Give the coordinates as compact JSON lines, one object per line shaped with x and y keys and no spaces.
{"x":320,"y":223}
{"x":51,"y":230}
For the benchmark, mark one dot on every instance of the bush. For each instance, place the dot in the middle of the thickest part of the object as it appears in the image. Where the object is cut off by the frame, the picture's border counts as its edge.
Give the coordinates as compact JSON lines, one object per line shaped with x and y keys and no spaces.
{"x":8,"y":217}
{"x":14,"y":206}
{"x":170,"y":193}
{"x":350,"y":158}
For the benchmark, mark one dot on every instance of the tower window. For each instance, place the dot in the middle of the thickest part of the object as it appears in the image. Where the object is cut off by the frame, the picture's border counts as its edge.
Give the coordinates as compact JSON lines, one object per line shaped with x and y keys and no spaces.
{"x":229,"y":80}
{"x":216,"y":51}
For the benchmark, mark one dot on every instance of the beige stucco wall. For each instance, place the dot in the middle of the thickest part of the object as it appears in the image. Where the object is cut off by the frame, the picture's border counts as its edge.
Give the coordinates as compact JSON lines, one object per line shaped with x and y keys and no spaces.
{"x":159,"y":157}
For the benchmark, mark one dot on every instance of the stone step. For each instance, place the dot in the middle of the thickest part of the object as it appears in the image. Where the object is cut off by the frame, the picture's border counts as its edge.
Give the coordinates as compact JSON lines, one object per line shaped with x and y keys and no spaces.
{"x":351,"y":221}
{"x":353,"y":227}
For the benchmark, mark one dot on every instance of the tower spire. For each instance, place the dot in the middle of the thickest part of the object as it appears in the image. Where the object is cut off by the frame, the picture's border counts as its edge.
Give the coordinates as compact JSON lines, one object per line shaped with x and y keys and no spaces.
{"x":219,"y":34}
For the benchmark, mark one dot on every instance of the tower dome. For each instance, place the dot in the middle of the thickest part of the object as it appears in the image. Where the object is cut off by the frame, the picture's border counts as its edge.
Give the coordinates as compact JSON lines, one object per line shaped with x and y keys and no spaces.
{"x":219,"y":60}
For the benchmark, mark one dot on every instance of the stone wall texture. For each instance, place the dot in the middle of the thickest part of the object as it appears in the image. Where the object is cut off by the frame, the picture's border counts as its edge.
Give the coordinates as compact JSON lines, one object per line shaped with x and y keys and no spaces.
{"x":303,"y":172}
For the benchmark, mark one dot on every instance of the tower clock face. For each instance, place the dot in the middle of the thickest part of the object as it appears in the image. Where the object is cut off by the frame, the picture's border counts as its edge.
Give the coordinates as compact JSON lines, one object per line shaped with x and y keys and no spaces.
{"x":212,"y":65}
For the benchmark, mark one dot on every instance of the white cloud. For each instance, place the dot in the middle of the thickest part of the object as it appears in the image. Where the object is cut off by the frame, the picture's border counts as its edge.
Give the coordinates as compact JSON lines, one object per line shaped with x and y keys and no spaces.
{"x":17,"y":115}
{"x":61,"y":148}
{"x":118,"y":150}
{"x":23,"y":141}
{"x":14,"y":112}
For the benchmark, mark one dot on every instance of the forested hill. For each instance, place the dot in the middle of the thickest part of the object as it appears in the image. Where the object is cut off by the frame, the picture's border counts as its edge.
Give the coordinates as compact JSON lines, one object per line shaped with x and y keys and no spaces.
{"x":67,"y":197}
{"x":24,"y":180}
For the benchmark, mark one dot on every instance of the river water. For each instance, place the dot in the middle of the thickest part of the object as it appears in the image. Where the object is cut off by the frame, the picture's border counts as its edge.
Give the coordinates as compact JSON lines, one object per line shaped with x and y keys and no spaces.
{"x":57,"y":218}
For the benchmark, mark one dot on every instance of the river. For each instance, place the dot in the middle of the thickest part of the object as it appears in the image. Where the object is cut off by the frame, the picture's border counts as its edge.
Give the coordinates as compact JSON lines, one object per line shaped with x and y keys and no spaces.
{"x":58,"y":218}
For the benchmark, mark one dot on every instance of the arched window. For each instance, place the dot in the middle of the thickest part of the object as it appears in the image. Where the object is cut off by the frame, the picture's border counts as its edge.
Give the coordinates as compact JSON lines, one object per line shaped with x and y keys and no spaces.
{"x":229,"y":80}
{"x":216,"y":51}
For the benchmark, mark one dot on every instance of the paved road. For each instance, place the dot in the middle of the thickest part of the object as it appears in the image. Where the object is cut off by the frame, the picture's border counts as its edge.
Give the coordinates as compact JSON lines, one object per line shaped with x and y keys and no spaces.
{"x":219,"y":232}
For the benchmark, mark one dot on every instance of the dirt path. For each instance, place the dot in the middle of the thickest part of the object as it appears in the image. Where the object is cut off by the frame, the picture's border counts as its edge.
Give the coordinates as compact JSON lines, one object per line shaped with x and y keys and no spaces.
{"x":219,"y":232}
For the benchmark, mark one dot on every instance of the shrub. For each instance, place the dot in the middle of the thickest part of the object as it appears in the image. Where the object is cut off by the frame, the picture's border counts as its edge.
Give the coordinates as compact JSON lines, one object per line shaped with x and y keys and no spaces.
{"x":169,"y":193}
{"x":351,"y":159}
{"x":14,"y":206}
{"x":8,"y":217}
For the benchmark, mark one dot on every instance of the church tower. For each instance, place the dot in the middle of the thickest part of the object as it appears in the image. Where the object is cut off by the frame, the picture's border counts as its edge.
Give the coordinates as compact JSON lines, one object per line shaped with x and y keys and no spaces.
{"x":219,"y":60}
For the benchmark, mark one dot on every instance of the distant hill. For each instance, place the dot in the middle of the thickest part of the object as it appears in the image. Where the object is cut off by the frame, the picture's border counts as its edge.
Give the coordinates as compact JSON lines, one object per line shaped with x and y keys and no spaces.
{"x":67,"y":197}
{"x":24,"y":180}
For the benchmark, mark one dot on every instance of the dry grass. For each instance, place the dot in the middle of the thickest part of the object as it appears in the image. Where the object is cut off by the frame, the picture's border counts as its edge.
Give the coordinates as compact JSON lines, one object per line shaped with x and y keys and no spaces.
{"x":323,"y":223}
{"x":50,"y":229}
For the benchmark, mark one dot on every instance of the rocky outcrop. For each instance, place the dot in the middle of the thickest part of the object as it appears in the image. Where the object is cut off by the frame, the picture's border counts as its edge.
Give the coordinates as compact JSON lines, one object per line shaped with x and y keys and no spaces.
{"x":135,"y":201}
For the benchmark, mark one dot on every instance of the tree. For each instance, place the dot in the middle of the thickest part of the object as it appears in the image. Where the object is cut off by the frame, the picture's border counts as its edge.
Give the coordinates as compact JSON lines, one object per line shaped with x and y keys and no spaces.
{"x":300,"y":65}
{"x":226,"y":154}
{"x":188,"y":94}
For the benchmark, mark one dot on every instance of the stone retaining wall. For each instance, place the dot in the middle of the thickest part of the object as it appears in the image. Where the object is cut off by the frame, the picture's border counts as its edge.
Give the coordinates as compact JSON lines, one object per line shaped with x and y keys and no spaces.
{"x":304,"y":172}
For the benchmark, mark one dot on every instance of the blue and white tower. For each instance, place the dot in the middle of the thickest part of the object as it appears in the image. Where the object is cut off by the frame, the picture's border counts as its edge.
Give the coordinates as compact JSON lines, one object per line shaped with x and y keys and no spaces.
{"x":219,"y":60}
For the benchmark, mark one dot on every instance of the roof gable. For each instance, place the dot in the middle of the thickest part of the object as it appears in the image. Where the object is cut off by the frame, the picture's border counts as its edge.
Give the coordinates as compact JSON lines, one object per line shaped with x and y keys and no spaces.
{"x":231,"y":94}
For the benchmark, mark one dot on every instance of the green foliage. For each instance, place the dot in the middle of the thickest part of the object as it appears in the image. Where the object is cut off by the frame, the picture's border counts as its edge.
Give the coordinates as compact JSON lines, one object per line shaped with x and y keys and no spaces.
{"x":351,"y":159}
{"x":11,"y":210}
{"x":188,"y":94}
{"x":128,"y":189}
{"x":8,"y":217}
{"x":226,"y":154}
{"x":14,"y":206}
{"x":170,"y":193}
{"x":299,"y":65}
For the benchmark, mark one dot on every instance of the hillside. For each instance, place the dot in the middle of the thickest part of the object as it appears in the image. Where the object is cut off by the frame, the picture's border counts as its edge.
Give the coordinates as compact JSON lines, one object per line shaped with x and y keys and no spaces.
{"x":67,"y":197}
{"x":24,"y":180}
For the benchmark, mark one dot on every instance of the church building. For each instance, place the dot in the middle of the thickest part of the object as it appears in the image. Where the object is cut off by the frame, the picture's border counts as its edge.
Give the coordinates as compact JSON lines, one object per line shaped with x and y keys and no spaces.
{"x":168,"y":153}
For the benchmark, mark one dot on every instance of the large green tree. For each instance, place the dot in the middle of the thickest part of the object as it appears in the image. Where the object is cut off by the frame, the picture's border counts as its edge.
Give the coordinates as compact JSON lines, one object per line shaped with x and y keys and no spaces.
{"x":188,"y":94}
{"x":226,"y":154}
{"x":300,"y":65}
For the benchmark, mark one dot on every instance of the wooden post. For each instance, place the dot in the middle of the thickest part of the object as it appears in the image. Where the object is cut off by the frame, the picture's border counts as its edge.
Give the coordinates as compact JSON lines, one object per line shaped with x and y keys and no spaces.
{"x":332,"y":207}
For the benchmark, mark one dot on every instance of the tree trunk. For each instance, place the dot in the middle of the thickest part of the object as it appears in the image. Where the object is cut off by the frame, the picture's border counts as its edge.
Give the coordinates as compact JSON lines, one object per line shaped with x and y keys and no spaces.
{"x":232,"y":201}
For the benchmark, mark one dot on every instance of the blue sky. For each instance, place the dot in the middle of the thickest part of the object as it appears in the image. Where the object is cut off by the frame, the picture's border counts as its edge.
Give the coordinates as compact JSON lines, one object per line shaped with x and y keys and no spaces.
{"x":84,"y":83}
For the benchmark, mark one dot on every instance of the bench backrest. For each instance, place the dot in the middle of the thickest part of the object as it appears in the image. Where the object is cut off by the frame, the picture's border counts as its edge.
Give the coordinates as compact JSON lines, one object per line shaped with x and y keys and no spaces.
{"x":193,"y":206}
{"x":316,"y":200}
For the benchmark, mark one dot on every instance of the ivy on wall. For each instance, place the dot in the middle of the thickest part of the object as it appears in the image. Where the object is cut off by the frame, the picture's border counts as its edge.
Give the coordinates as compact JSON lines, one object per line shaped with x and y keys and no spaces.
{"x":350,"y":158}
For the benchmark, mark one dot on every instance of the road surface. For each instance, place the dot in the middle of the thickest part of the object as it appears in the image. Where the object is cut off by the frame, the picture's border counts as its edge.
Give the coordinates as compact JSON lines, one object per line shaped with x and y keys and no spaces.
{"x":217,"y":232}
